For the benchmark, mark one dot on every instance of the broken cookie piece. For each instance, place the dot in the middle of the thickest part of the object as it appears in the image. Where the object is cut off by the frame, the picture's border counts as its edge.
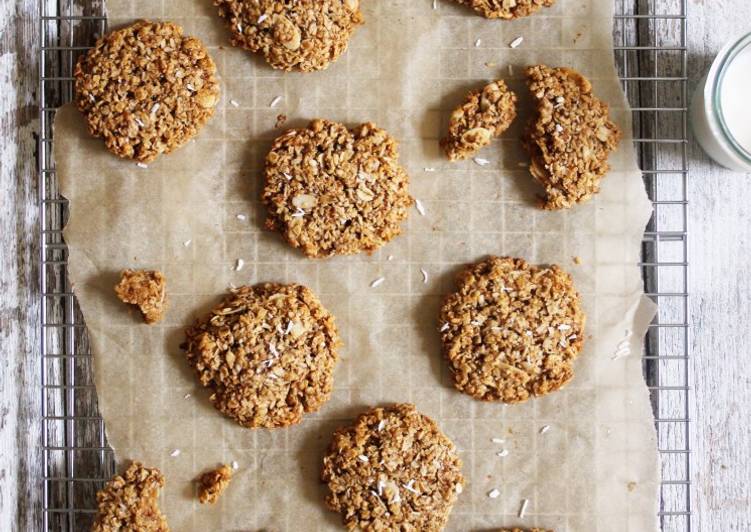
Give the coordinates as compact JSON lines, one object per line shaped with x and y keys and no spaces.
{"x":212,"y":483}
{"x":570,"y":137}
{"x":129,"y":502}
{"x":506,"y":9}
{"x":485,"y":115}
{"x":145,"y":288}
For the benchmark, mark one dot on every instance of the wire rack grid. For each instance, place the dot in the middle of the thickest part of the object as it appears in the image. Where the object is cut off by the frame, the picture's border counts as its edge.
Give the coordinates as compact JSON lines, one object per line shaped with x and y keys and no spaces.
{"x":651,"y":56}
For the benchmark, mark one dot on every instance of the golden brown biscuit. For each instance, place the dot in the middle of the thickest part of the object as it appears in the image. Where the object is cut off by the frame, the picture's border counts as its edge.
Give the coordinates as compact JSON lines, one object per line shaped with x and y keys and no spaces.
{"x":332,"y":191}
{"x":506,"y":9}
{"x":392,"y":470}
{"x":485,"y":115}
{"x":146,"y":89}
{"x":511,"y":330}
{"x":570,"y":136}
{"x":145,"y":288}
{"x":129,"y":502}
{"x":212,"y":483}
{"x":267,"y":353}
{"x":304,"y":35}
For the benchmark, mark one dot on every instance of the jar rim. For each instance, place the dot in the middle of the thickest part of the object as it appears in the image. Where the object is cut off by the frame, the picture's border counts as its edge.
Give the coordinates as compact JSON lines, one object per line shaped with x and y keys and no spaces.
{"x":722,"y":63}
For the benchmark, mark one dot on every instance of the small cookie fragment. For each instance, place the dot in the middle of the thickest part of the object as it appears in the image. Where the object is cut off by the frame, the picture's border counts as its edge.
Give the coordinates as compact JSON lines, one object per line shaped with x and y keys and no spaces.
{"x":304,"y":35}
{"x":129,"y":502}
{"x":212,"y":483}
{"x":511,"y":330}
{"x":267,"y":353}
{"x":570,"y":136}
{"x":485,"y":115}
{"x":145,"y":288}
{"x":146,"y":89}
{"x":334,"y":191}
{"x":506,"y":9}
{"x":393,"y":469}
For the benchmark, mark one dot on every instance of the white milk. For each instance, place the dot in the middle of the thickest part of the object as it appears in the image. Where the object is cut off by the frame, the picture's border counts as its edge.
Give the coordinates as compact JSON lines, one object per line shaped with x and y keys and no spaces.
{"x":723,"y":95}
{"x":735,"y":100}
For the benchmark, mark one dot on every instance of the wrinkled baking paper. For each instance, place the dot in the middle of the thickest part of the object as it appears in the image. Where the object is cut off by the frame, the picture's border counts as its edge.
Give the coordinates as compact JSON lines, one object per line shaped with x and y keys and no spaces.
{"x":593,"y":469}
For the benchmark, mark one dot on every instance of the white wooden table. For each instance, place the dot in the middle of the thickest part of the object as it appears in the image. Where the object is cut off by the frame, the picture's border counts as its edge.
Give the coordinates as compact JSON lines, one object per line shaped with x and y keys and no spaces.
{"x":720,"y":243}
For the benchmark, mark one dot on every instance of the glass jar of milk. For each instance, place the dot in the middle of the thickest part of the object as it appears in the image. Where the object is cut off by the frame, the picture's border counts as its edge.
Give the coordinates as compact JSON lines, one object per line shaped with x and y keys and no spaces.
{"x":721,"y":107}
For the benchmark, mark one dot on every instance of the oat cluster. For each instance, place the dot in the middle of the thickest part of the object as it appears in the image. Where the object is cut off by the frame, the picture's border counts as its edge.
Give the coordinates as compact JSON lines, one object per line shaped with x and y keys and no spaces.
{"x":484,"y":115}
{"x":570,"y":136}
{"x":392,"y":470}
{"x":145,"y":288}
{"x":511,"y":330}
{"x":129,"y":502}
{"x":332,"y":191}
{"x":506,"y":9}
{"x":146,"y":89}
{"x":303,"y":35}
{"x":212,"y":483}
{"x":267,"y":353}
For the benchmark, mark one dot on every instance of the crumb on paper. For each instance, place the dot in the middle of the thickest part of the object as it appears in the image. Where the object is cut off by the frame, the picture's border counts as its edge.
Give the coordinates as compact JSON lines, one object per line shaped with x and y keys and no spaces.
{"x":523,"y":508}
{"x":377,"y":282}
{"x":577,"y":260}
{"x":212,"y":483}
{"x":146,"y":289}
{"x":494,"y":493}
{"x":516,"y":42}
{"x":281,"y":119}
{"x":631,"y":486}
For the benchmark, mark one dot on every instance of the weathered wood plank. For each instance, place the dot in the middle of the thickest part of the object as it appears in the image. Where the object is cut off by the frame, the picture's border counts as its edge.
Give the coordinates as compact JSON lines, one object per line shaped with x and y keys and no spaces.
{"x":20,"y":460}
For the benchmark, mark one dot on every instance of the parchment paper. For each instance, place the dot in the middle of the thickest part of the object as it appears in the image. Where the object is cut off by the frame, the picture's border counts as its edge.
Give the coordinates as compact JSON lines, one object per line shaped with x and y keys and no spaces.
{"x":596,"y":466}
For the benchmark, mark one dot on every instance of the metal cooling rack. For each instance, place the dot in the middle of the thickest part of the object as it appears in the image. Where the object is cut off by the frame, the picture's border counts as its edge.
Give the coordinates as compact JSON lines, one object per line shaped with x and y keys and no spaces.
{"x":650,"y":39}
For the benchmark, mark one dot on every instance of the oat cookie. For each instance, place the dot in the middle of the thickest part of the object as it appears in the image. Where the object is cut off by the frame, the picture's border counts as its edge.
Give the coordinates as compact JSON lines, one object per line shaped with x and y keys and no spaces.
{"x":212,"y":483}
{"x":304,"y":35}
{"x":392,"y":470}
{"x":145,"y":288}
{"x":129,"y":502}
{"x":146,"y":89}
{"x":511,"y":330}
{"x":484,"y":115}
{"x":506,"y":9}
{"x":570,"y":136}
{"x":267,"y":353}
{"x":333,"y":191}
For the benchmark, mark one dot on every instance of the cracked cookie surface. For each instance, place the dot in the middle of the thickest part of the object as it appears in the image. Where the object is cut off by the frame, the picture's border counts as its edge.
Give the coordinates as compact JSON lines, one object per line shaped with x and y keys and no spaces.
{"x":506,"y":9}
{"x":147,"y":289}
{"x":129,"y":502}
{"x":267,"y":353}
{"x":304,"y":35}
{"x":484,"y":115}
{"x":146,"y":89}
{"x":511,"y":330}
{"x":570,"y":137}
{"x":393,"y":469}
{"x":334,"y":191}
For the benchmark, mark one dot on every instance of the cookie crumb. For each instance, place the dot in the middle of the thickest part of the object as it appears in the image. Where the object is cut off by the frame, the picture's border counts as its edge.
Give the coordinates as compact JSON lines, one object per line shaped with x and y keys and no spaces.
{"x":631,"y":486}
{"x":131,"y":499}
{"x":145,"y":288}
{"x":281,"y":119}
{"x":212,"y":483}
{"x":577,"y":260}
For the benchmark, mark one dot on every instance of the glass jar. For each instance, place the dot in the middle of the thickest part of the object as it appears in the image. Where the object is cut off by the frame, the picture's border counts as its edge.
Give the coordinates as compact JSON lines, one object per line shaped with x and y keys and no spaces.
{"x":721,"y":107}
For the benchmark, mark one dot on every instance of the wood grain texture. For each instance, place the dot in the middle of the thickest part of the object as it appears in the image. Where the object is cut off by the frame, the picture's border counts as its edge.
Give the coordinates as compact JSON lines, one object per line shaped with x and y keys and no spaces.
{"x":720,"y":243}
{"x":20,"y":424}
{"x":720,"y":236}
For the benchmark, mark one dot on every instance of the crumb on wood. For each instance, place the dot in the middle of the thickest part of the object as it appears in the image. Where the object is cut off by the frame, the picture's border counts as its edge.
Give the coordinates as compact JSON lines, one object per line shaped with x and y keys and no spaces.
{"x":145,"y":288}
{"x":212,"y":483}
